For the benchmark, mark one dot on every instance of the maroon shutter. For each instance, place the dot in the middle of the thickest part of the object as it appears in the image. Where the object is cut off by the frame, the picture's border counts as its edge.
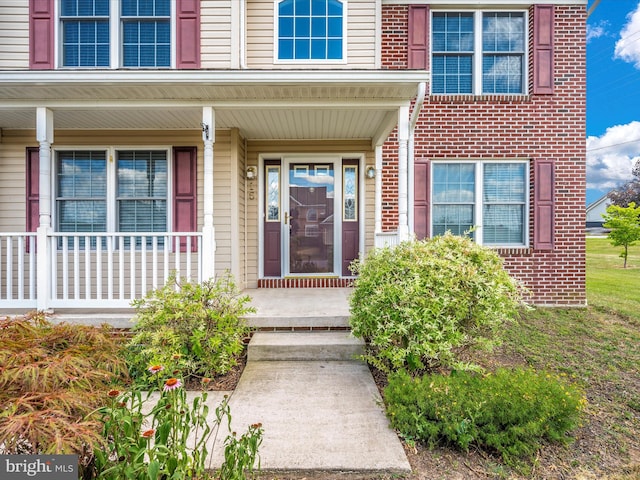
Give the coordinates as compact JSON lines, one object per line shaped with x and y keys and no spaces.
{"x":543,"y":22}
{"x":33,"y":190}
{"x":188,"y":34}
{"x":41,"y":23}
{"x":543,"y":208}
{"x":421,"y":194}
{"x":418,"y":50}
{"x":185,"y":193}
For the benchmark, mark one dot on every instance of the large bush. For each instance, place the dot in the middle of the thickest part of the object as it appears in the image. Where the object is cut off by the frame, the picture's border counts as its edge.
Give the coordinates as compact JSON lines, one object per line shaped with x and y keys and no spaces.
{"x":199,"y":326}
{"x":420,"y":303}
{"x":510,"y":412}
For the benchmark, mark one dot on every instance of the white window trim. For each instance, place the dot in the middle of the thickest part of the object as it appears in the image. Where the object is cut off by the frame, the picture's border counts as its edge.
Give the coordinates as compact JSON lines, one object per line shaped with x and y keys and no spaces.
{"x":112,"y":179}
{"x":478,"y":51}
{"x":115,"y":47}
{"x":477,"y":234}
{"x":311,"y":61}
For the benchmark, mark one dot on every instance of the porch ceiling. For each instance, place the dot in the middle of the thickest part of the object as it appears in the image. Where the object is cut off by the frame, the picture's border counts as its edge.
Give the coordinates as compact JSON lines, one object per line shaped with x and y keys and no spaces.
{"x":262,"y":104}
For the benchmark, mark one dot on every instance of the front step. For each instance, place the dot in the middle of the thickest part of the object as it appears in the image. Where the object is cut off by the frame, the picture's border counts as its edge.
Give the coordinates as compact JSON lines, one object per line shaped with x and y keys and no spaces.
{"x":304,"y":346}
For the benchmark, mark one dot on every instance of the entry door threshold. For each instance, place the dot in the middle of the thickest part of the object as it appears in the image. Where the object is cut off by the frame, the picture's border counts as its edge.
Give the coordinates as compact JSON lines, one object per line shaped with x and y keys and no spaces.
{"x":306,"y":282}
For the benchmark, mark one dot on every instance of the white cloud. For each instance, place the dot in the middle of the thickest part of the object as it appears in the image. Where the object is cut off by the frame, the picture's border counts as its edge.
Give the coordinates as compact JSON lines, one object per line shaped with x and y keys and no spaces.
{"x":597,"y":31}
{"x":610,"y":157}
{"x":628,"y":47}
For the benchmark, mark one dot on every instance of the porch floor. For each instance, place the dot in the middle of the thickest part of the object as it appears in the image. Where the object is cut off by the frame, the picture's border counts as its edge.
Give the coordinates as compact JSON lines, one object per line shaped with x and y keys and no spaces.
{"x":276,"y":309}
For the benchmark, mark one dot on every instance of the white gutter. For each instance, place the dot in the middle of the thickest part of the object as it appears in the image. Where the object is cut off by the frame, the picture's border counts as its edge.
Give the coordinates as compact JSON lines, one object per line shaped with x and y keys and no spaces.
{"x":422,"y":92}
{"x":205,"y":77}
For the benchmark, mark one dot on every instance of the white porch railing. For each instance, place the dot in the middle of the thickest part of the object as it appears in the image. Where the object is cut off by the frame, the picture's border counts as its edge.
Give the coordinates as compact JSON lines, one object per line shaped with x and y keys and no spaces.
{"x":17,"y":270}
{"x":93,"y":270}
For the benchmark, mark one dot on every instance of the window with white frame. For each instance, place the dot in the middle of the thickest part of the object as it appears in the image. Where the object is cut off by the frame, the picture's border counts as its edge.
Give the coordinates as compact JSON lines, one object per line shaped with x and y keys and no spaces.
{"x":478,"y":52}
{"x":96,"y":195}
{"x":310,"y":29}
{"x":142,"y":29}
{"x":486,"y":200}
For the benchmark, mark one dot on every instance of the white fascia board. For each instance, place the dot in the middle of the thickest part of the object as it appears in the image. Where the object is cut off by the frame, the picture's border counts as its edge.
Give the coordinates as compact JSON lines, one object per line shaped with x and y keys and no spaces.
{"x":205,"y":77}
{"x":484,"y":3}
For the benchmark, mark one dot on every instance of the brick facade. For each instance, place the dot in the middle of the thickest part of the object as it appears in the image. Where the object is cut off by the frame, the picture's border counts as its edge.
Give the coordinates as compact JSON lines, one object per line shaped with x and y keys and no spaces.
{"x":506,"y":127}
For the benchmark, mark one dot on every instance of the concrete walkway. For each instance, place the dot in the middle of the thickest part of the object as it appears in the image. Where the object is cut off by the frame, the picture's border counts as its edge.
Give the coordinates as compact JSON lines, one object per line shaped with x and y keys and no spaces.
{"x":317,"y":416}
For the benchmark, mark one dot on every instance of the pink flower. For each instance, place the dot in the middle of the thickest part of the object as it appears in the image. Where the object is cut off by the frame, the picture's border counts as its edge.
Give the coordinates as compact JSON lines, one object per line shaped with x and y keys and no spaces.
{"x":172,"y":384}
{"x":155,"y":368}
{"x":148,"y":433}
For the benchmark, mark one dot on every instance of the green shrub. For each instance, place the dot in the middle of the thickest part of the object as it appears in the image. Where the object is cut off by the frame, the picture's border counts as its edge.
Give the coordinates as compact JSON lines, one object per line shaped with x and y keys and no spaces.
{"x":51,"y":377}
{"x":420,"y":303}
{"x":511,"y":412}
{"x":198,"y":325}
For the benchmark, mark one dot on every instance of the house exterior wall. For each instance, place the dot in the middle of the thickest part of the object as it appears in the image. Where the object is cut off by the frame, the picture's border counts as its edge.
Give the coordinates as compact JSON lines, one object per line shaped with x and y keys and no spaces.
{"x":14,"y":35}
{"x":360,"y":37}
{"x":216,"y":33}
{"x":13,"y":184}
{"x":552,"y":127}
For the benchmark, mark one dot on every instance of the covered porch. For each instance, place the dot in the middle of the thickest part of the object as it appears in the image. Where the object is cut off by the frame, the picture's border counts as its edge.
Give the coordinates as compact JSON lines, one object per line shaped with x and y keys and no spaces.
{"x":44,"y":268}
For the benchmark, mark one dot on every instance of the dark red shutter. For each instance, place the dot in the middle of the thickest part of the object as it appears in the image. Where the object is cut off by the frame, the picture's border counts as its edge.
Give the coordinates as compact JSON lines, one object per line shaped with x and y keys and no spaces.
{"x":188,"y":34}
{"x":33,"y":190}
{"x":543,"y":23}
{"x":185,"y":193}
{"x":421,"y":193}
{"x":41,"y":21}
{"x":418,"y":48}
{"x":543,"y":208}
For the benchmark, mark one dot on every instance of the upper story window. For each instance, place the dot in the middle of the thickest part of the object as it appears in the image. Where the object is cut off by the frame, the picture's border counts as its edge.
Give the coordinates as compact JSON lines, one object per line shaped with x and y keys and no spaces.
{"x":486,"y":200}
{"x":310,"y":30}
{"x":478,"y":52}
{"x":142,"y":31}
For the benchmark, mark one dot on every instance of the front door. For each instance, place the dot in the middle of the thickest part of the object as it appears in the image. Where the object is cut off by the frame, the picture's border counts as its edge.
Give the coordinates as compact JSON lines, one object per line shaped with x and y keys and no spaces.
{"x":309,"y":219}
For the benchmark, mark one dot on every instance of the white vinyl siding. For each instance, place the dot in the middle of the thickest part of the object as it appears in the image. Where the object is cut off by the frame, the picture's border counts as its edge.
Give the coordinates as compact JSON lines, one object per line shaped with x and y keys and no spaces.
{"x":14,"y":35}
{"x":215,"y":34}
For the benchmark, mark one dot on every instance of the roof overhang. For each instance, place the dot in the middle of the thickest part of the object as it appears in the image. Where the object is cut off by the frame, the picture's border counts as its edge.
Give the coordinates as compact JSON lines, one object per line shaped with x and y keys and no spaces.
{"x":296,"y":105}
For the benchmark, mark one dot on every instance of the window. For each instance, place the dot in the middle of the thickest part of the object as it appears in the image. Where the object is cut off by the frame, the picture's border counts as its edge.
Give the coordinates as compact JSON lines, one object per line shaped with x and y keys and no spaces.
{"x":85,"y":33}
{"x":142,"y":31}
{"x":310,"y":30}
{"x":478,"y":52}
{"x":486,"y":200}
{"x":94,"y":195}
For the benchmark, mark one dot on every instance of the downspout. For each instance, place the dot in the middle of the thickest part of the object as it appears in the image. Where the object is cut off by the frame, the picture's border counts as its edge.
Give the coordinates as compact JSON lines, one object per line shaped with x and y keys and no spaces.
{"x":415,"y":114}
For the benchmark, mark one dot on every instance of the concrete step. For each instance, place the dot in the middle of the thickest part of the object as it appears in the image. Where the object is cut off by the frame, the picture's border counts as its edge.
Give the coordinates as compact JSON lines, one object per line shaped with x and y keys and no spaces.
{"x":304,"y":346}
{"x":297,"y":321}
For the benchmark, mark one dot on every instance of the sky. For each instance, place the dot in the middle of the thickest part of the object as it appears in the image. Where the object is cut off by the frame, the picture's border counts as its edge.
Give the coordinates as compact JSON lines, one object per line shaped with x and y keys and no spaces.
{"x":613,"y":94}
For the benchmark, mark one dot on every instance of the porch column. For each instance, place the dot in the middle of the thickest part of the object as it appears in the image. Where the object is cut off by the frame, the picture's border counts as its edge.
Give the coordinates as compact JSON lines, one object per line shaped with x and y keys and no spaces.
{"x":403,"y":148}
{"x":208,"y":232}
{"x":44,"y":136}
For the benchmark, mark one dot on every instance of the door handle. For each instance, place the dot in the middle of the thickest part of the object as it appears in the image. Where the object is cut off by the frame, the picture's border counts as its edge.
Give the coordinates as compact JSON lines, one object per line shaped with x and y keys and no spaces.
{"x":286,"y":218}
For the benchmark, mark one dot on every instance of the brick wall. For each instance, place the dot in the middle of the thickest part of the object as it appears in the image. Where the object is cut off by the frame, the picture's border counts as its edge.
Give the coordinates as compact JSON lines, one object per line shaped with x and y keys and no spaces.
{"x":524,"y":127}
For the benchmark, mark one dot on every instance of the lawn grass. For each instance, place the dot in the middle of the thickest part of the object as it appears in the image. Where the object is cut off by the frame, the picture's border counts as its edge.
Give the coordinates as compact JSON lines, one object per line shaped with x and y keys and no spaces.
{"x":598,"y":347}
{"x":609,"y":286}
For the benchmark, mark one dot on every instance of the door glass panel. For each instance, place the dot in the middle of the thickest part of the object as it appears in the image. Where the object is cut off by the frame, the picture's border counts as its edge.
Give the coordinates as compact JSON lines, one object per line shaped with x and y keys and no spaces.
{"x":311,"y":195}
{"x":273,"y":194}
